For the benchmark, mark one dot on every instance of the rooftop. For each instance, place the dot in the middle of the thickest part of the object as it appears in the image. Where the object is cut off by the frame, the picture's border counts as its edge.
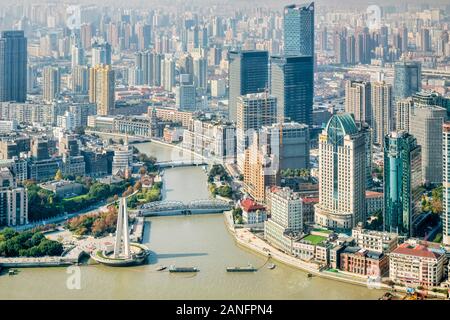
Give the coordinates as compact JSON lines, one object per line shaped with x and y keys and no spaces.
{"x":315,"y":240}
{"x":416,"y":250}
{"x":250,"y":205}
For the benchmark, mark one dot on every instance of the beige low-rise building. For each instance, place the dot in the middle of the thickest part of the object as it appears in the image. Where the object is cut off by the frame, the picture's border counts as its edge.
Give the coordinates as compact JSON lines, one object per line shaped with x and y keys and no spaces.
{"x":415,"y":264}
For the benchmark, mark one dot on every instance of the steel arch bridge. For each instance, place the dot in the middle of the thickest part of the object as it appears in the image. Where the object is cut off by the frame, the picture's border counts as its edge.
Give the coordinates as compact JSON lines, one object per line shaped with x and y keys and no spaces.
{"x":208,"y":203}
{"x":165,"y":205}
{"x":171,"y":205}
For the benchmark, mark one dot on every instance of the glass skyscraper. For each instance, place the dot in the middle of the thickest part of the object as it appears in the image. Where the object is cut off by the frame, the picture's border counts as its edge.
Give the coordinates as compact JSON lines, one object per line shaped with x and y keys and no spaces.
{"x":292,"y":83}
{"x":248,"y":73}
{"x":407,"y":79}
{"x":299,"y":30}
{"x":13,"y":66}
{"x":402,"y":179}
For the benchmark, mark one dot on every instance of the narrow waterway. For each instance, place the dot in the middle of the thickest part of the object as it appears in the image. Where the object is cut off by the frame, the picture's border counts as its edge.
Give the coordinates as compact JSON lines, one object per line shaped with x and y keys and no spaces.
{"x":198,"y":240}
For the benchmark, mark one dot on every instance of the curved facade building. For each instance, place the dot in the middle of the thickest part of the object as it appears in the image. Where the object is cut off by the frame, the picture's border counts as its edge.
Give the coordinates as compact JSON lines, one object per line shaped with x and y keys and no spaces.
{"x":342,"y":174}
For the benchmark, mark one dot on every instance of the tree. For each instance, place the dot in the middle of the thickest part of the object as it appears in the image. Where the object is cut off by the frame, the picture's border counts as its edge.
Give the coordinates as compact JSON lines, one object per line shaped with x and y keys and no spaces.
{"x":58,"y":175}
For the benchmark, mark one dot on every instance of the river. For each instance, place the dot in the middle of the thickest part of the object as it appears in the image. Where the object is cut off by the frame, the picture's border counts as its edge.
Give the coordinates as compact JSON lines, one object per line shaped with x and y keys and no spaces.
{"x":199,"y":240}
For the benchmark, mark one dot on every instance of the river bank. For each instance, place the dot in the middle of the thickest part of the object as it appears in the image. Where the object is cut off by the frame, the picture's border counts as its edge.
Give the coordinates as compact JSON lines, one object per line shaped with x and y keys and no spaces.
{"x":243,"y":237}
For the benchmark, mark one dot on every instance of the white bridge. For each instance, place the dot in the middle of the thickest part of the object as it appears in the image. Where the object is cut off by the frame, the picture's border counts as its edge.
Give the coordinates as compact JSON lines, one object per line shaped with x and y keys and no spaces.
{"x":168,"y":207}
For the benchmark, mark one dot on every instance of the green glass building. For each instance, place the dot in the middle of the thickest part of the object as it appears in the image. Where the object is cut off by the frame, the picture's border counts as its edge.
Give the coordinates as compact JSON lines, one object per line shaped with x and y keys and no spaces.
{"x":402,"y":179}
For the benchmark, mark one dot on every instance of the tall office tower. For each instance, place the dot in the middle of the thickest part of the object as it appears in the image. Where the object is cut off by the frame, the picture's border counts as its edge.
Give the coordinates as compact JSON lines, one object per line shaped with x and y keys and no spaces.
{"x":14,"y":208}
{"x":155,"y":79}
{"x":13,"y":66}
{"x":342,"y":174}
{"x":384,"y":36}
{"x":407,"y":79}
{"x":101,"y":54}
{"x":367,"y":131}
{"x":299,"y":30}
{"x":259,"y":171}
{"x":102,"y":88}
{"x":286,"y":217}
{"x":425,"y":124}
{"x":86,"y":35}
{"x":350,"y":49}
{"x":80,"y":79}
{"x":31,"y":78}
{"x":51,"y":83}
{"x":186,"y":65}
{"x":402,"y":179}
{"x":425,"y":40}
{"x":403,"y":31}
{"x":185,"y":96}
{"x":253,"y":112}
{"x":135,"y":76}
{"x":403,"y":109}
{"x":358,"y":100}
{"x":77,"y":56}
{"x":446,"y":183}
{"x":383,"y":113}
{"x":201,"y":73}
{"x":143,"y":60}
{"x":324,"y":39}
{"x":143,"y":34}
{"x":292,"y":83}
{"x":248,"y":73}
{"x":442,"y":44}
{"x":168,"y":73}
{"x":363,"y":47}
{"x":288,"y":142}
{"x":340,"y":49}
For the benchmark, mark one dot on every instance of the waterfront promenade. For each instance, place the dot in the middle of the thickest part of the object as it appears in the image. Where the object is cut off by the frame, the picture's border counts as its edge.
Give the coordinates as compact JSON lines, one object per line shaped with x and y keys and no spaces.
{"x":247,"y":239}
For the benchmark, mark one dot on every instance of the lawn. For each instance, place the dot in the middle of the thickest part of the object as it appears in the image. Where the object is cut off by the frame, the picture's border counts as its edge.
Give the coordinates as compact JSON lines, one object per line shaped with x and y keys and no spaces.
{"x":314,"y":239}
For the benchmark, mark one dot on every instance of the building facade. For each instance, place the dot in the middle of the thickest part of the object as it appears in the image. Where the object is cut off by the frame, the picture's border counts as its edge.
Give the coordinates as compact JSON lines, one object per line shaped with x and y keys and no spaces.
{"x":342,"y":176}
{"x":402,"y":179}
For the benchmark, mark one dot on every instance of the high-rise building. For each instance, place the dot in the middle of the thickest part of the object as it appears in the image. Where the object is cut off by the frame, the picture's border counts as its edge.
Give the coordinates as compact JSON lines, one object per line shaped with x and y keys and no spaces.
{"x":168,"y":73}
{"x":292,"y":83}
{"x":13,"y":66}
{"x":248,"y":73}
{"x":260,"y":170}
{"x":289,"y":142}
{"x":86,"y":35}
{"x":286,"y":217}
{"x":185,"y":97}
{"x":52,"y":83}
{"x":201,"y":73}
{"x":101,"y":54}
{"x":253,"y":112}
{"x":358,"y":100}
{"x":77,"y":56}
{"x":425,"y":40}
{"x":80,"y":79}
{"x":342,"y":174}
{"x":402,"y":179}
{"x":299,"y":30}
{"x":102,"y":89}
{"x":407,"y":79}
{"x":403,"y":110}
{"x":446,"y":183}
{"x":383,"y":113}
{"x":143,"y":34}
{"x":425,"y":124}
{"x":14,"y":200}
